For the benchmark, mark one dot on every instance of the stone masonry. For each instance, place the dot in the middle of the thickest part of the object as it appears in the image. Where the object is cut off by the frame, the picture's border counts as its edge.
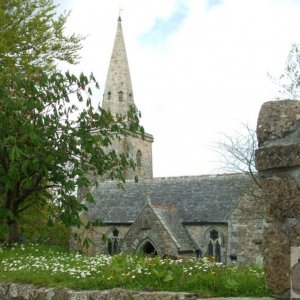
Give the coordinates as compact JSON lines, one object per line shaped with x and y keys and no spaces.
{"x":118,"y":93}
{"x":118,"y":99}
{"x":278,"y":163}
{"x":10,"y":291}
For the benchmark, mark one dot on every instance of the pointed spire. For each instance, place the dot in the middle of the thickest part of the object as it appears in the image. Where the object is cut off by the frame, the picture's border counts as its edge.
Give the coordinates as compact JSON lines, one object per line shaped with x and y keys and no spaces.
{"x":118,"y":94}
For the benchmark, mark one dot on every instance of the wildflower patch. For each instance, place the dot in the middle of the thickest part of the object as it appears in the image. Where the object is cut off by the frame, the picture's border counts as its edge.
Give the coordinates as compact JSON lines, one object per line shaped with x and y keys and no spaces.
{"x":54,"y":267}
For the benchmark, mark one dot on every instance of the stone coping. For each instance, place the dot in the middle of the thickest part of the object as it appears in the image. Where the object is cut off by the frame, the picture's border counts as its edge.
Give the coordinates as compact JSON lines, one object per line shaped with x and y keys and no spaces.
{"x":10,"y":291}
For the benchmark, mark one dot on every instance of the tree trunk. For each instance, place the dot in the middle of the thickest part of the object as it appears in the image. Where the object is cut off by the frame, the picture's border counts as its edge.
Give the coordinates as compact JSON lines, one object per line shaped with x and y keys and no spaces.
{"x":13,"y":232}
{"x":12,"y":222}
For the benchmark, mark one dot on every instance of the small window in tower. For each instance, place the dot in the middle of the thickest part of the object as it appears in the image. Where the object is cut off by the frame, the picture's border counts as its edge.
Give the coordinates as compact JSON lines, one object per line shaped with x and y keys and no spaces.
{"x":139,"y":160}
{"x":130,"y":96}
{"x":108,"y":95}
{"x":121,"y":96}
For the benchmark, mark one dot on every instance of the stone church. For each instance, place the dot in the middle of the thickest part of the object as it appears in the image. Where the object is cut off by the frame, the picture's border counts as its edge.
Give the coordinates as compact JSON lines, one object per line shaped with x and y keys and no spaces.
{"x":193,"y":216}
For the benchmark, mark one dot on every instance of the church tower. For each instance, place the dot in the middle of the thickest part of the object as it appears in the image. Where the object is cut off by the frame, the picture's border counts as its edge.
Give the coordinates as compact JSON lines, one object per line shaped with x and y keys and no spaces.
{"x":118,"y":98}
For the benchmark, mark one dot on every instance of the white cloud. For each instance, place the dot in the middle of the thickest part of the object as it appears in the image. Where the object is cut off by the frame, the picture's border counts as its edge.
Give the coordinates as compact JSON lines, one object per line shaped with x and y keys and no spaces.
{"x":205,"y":77}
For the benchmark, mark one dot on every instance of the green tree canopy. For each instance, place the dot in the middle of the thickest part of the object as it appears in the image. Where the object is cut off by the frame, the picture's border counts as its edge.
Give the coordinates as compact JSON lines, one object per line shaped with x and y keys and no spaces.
{"x":32,"y":37}
{"x":49,"y":147}
{"x":46,"y":153}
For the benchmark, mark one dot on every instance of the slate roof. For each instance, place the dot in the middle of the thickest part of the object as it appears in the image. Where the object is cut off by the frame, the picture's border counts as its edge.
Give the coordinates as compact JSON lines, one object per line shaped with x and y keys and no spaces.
{"x":172,"y":222}
{"x":198,"y":199}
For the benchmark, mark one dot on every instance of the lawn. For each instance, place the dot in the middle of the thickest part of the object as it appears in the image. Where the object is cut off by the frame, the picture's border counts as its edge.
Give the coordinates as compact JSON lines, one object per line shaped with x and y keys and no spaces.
{"x":55,"y":267}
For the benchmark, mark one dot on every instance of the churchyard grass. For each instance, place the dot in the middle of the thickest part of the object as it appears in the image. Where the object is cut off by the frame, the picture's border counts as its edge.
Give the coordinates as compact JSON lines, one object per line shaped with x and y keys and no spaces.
{"x":55,"y":267}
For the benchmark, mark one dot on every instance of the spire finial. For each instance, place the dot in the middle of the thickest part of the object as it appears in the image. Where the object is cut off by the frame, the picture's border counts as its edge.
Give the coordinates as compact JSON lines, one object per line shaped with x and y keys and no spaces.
{"x":119,"y":19}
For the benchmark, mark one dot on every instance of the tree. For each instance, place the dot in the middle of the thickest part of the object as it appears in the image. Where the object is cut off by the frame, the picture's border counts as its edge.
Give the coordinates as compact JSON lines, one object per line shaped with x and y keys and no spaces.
{"x":48,"y":148}
{"x":37,"y":225}
{"x":237,"y":155}
{"x":289,"y":80}
{"x":46,"y":153}
{"x":237,"y":152}
{"x":32,"y":37}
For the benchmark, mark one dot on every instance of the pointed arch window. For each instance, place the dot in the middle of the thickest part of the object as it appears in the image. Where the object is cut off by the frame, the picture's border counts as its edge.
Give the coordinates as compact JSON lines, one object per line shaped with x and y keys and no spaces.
{"x":139,"y":160}
{"x":214,"y":234}
{"x":214,"y":241}
{"x":108,"y":95}
{"x":121,"y":96}
{"x":113,"y":241}
{"x":218,"y":251}
{"x":210,"y":249}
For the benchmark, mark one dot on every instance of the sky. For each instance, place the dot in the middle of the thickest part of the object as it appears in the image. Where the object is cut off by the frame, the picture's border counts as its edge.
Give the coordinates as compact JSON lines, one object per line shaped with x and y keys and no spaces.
{"x":199,"y":68}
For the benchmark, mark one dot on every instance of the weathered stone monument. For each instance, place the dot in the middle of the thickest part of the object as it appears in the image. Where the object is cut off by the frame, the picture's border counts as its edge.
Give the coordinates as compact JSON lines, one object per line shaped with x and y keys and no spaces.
{"x":278,"y":163}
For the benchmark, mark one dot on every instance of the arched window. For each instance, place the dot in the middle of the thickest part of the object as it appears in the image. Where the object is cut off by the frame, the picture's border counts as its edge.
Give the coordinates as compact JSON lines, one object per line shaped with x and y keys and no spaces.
{"x":113,"y":241}
{"x":130,"y":96}
{"x":139,"y":160}
{"x":217,"y":251}
{"x":121,"y":96}
{"x":210,"y":249}
{"x":108,"y":95}
{"x":213,"y":240}
{"x":214,"y":234}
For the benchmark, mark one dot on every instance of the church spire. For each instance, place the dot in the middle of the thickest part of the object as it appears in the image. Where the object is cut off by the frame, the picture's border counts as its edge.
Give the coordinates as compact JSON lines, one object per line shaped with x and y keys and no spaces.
{"x":118,"y":94}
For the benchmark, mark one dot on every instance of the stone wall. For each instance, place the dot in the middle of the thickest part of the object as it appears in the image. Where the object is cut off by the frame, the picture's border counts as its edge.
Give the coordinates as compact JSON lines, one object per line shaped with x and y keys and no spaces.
{"x":10,"y":291}
{"x":245,"y":229}
{"x":199,"y":232}
{"x":155,"y":233}
{"x":99,"y":246}
{"x":145,"y":146}
{"x":131,"y":145}
{"x":278,"y":163}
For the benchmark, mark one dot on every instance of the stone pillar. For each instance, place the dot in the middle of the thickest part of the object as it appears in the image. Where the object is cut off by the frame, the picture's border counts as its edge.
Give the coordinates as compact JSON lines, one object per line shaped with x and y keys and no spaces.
{"x":278,"y":164}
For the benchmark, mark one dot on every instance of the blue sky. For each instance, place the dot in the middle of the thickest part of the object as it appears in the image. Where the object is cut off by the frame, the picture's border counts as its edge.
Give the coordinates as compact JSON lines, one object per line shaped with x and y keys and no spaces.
{"x":211,"y":3}
{"x":163,"y":28}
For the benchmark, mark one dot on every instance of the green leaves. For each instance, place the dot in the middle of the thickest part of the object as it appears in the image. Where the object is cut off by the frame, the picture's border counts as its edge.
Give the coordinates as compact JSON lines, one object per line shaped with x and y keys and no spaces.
{"x":32,"y":36}
{"x":14,"y":153}
{"x":44,"y":146}
{"x":168,"y":277}
{"x":90,"y":198}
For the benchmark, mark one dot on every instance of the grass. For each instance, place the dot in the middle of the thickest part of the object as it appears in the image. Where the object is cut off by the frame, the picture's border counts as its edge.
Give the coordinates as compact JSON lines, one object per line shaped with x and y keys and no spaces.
{"x":54,"y":267}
